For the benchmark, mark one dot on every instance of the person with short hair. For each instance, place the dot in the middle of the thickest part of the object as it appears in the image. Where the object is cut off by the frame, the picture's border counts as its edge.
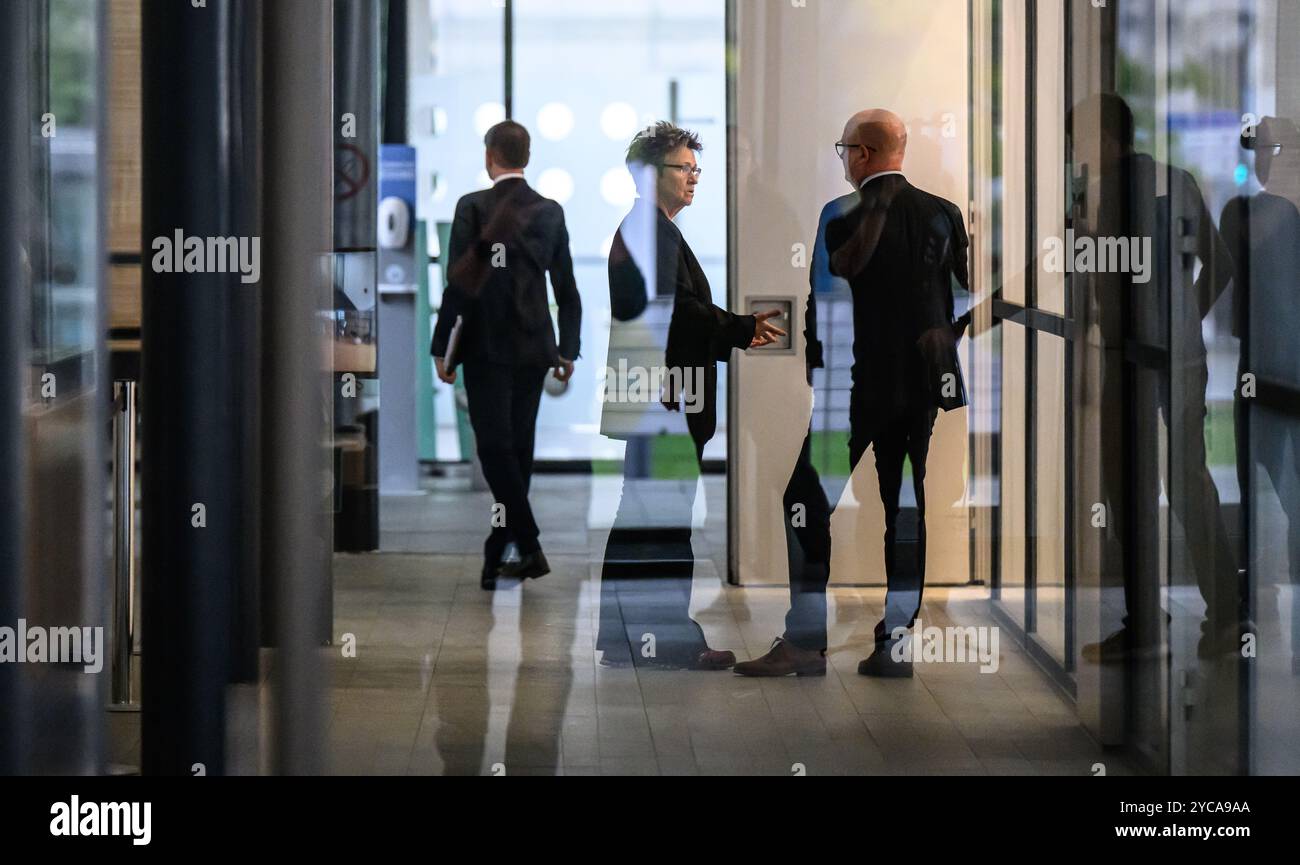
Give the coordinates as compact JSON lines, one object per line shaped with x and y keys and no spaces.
{"x":647,"y":592}
{"x":495,"y":319}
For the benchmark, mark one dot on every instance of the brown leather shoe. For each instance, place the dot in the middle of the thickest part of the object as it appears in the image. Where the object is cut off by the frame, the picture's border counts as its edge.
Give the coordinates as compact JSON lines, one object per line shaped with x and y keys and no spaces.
{"x":783,"y":659}
{"x":713,"y":659}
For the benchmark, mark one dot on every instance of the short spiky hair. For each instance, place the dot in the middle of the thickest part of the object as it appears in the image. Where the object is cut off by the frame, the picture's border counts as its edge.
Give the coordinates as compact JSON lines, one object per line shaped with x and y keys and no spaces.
{"x":652,"y":145}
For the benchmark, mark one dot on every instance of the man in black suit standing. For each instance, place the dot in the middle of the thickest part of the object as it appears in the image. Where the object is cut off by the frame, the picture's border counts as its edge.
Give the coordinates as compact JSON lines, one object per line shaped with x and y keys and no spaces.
{"x":801,"y":650}
{"x":504,"y":241}
{"x":901,"y":249}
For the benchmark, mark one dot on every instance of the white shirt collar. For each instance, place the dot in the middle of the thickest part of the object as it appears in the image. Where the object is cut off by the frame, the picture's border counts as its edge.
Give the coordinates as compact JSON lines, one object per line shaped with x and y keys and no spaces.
{"x":871,"y":177}
{"x":512,"y":175}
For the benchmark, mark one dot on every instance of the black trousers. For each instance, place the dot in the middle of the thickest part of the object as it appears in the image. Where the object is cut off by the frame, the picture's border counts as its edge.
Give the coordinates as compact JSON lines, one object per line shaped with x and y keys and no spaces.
{"x":646,"y":576}
{"x":808,"y":526}
{"x":1194,"y":500}
{"x":1262,"y":439}
{"x":904,"y":436}
{"x":808,"y":548}
{"x":503,"y":402}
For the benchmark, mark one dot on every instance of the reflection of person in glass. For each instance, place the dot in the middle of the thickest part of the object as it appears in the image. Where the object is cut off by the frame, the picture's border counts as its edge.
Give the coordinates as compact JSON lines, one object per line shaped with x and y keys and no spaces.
{"x":1166,"y":314}
{"x":1263,"y":232}
{"x":646,"y":578}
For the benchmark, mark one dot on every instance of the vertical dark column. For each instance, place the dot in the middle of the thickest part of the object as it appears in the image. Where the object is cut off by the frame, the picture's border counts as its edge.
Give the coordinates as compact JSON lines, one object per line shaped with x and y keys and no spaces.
{"x":395,"y":74}
{"x":509,"y":55}
{"x":998,"y":376}
{"x":357,"y":44}
{"x":732,"y":37}
{"x":197,"y":408}
{"x":1072,"y":397}
{"x":245,"y":180}
{"x":298,"y":192}
{"x":15,"y":168}
{"x":1031,"y":302}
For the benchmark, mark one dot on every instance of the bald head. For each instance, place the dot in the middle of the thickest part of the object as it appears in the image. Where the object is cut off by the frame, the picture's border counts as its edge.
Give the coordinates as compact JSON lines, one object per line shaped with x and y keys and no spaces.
{"x":877,"y":141}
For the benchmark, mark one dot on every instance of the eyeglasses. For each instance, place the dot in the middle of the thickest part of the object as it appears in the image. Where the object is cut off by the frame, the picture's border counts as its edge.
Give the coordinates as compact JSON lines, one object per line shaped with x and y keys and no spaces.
{"x":840,"y":147}
{"x":690,"y":170}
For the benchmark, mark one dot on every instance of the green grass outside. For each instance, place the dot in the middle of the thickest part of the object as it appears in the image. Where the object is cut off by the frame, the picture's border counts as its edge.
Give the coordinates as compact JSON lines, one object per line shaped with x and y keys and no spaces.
{"x":672,"y":457}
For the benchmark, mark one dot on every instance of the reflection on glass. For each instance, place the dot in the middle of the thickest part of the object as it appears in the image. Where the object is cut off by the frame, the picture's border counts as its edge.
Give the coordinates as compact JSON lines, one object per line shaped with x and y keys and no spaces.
{"x":65,"y":269}
{"x":587,"y":79}
{"x":1012,"y":509}
{"x":1050,"y":505}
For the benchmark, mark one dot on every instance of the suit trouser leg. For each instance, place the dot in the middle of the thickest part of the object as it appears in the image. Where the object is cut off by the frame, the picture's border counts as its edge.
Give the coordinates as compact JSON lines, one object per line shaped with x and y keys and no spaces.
{"x":918,"y":451}
{"x":1290,"y":497}
{"x":905,"y":437}
{"x":1269,"y":435}
{"x":808,"y":544}
{"x":527,"y":399}
{"x":498,"y":400}
{"x":613,"y":639}
{"x":645,"y":605}
{"x":1195,"y":501}
{"x":686,"y":637}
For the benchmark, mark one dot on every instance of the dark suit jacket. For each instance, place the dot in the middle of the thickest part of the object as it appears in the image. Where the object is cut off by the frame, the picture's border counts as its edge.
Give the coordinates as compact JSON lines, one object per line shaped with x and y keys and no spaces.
{"x":505,"y":308}
{"x":820,"y":279}
{"x":699,"y":334}
{"x":901,"y":249}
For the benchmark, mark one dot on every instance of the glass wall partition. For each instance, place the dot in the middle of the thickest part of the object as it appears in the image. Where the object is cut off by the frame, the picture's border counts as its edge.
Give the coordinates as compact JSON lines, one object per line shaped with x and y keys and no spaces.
{"x":54,"y":407}
{"x":1135,"y":195}
{"x":797,"y":81}
{"x":1022,"y":332}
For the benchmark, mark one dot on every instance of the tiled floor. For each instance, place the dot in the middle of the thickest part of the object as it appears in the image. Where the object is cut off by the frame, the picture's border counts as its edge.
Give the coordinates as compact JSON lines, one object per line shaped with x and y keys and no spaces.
{"x":450,"y":679}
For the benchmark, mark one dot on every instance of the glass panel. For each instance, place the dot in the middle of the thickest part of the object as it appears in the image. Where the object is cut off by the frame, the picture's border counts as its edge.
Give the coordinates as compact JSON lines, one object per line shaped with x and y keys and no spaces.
{"x":67,"y":299}
{"x":1261,"y":225}
{"x":64,"y":518}
{"x":1049,"y":147}
{"x":1013,"y":141}
{"x":985,"y":342}
{"x":1186,"y":75}
{"x":590,"y":76}
{"x":1274,"y":570}
{"x":1050,"y":503}
{"x":457,"y":91}
{"x":1013,"y":470}
{"x":1183,"y":81}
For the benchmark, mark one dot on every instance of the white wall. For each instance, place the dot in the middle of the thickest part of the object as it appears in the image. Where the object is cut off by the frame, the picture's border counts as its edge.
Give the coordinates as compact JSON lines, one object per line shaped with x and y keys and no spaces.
{"x":802,"y":70}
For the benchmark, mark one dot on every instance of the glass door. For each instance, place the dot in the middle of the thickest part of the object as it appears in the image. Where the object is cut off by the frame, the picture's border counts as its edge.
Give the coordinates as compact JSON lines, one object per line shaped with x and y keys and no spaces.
{"x":52,"y":407}
{"x":1214,"y":90}
{"x":1023,"y":334}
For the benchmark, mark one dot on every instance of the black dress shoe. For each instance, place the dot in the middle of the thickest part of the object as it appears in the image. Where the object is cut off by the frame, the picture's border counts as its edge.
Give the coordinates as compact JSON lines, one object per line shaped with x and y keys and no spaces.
{"x":883,"y":665}
{"x":529,"y":567}
{"x":487,"y":580}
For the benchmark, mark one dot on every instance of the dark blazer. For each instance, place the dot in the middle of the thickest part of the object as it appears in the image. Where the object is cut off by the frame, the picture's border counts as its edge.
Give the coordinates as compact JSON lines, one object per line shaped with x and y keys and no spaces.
{"x":506,"y":311}
{"x":699,"y":334}
{"x":820,"y":279}
{"x":901,"y":249}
